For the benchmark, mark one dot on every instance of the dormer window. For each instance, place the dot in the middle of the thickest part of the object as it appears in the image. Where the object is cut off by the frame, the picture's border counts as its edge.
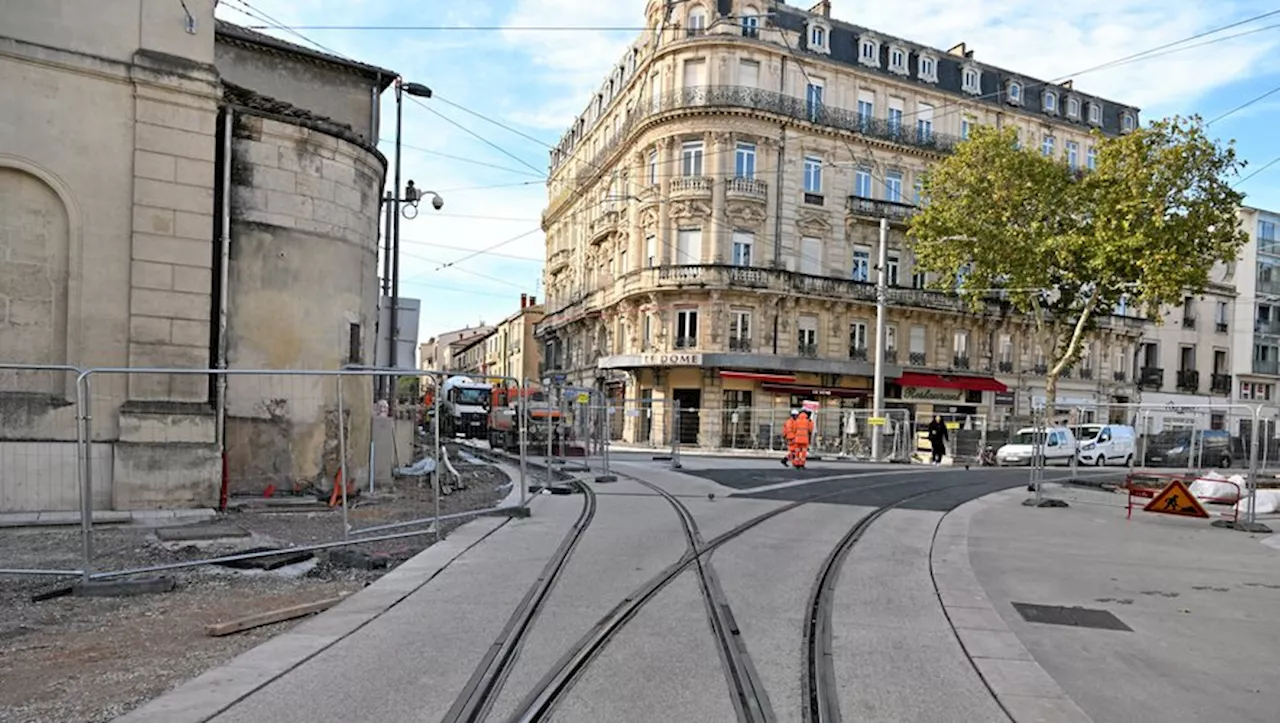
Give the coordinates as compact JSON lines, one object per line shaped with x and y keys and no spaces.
{"x":818,"y":38}
{"x":697,"y":23}
{"x":1095,"y":114}
{"x":1050,"y":102}
{"x":1013,"y":94}
{"x":897,"y":60}
{"x":928,"y":69}
{"x":1073,"y":108}
{"x":1127,"y":123}
{"x":971,"y":79}
{"x":869,"y":52}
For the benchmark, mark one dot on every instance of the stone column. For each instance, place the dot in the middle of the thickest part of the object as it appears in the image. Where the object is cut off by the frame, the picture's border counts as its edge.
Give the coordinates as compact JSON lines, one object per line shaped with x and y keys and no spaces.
{"x":720,"y":169}
{"x":668,"y":163}
{"x":767,"y":158}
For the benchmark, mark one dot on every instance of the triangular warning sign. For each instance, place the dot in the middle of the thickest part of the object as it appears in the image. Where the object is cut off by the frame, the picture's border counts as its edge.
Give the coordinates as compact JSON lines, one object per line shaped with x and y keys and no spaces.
{"x":1176,"y":499}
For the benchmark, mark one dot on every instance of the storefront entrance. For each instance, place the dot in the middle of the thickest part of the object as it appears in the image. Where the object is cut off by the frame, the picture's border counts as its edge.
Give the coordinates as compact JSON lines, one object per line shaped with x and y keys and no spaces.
{"x":690,"y":401}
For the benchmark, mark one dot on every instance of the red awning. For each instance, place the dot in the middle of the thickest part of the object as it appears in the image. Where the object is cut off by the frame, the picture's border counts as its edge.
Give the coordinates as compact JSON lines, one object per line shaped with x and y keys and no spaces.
{"x":940,"y":381}
{"x":756,"y":376}
{"x":815,"y":391}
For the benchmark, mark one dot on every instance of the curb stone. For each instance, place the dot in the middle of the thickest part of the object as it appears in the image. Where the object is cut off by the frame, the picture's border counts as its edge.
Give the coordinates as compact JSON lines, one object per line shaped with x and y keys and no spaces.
{"x":217,"y":690}
{"x":1019,"y":684}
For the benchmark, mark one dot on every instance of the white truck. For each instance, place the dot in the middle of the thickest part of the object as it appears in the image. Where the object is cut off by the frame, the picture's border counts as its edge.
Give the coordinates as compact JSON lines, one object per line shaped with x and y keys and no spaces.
{"x":464,"y":407}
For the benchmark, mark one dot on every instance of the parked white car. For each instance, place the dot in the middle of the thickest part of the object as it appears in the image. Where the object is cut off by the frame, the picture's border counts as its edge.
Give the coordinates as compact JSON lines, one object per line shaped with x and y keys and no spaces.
{"x":1102,"y":444}
{"x":1059,"y":446}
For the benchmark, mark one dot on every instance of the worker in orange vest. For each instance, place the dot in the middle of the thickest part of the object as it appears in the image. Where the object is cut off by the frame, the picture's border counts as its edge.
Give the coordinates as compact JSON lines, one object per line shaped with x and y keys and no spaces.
{"x":804,"y":428}
{"x":789,"y":435}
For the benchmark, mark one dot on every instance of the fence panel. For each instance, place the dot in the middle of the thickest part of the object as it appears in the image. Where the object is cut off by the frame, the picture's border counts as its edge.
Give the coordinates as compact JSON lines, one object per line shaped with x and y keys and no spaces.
{"x":966,"y":437}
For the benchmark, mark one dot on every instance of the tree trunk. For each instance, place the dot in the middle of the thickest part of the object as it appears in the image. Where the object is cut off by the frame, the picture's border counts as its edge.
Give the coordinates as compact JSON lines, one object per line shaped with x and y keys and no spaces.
{"x":1050,"y":396}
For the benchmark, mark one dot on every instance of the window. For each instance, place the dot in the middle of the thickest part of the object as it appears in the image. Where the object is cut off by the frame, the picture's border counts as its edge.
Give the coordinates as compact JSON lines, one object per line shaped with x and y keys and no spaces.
{"x":1220,"y":311}
{"x":1091,"y":158}
{"x":1220,"y":362}
{"x":1073,"y":155}
{"x":1073,"y":107}
{"x":655,"y":92}
{"x":869,"y":52}
{"x":650,"y":250}
{"x":960,"y":346}
{"x":862,"y":182}
{"x":966,"y":127}
{"x":653,"y":168}
{"x":695,"y":73}
{"x":744,"y":165}
{"x":1015,"y":93}
{"x":895,"y":115}
{"x":861,"y":264}
{"x":866,"y":106}
{"x":1095,"y":114}
{"x":353,"y":344}
{"x":812,"y":174}
{"x":691,"y":159}
{"x":740,"y":331}
{"x":697,"y":22}
{"x":750,"y":24}
{"x":646,"y":330}
{"x":972,"y":81}
{"x":918,"y":187}
{"x":1006,"y":353}
{"x":689,"y":246}
{"x":1266,"y":231}
{"x":817,"y":37}
{"x":1050,"y":102}
{"x":623,"y":268}
{"x":928,"y":70}
{"x":749,"y":73}
{"x":858,"y":339}
{"x":807,"y":336}
{"x":919,"y":279}
{"x":1047,"y":146}
{"x":686,"y":328}
{"x":742,"y":243}
{"x":893,"y":186}
{"x":813,"y":98}
{"x":890,"y":339}
{"x":811,"y":256}
{"x":1187,"y":358}
{"x":1126,"y":122}
{"x":891,"y":269}
{"x":916,"y":340}
{"x":924,"y":121}
{"x":897,"y":60}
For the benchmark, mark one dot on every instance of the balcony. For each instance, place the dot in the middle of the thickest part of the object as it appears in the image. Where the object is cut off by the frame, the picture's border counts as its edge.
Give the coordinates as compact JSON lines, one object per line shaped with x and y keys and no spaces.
{"x":1188,"y":322}
{"x":739,"y":343}
{"x":603,"y":225}
{"x":731,"y":97}
{"x":809,"y":351}
{"x":1269,"y":287}
{"x":891,"y":356}
{"x":917,"y":359}
{"x":686,"y":342}
{"x":1266,"y":366}
{"x":1040,"y":369}
{"x":1086,"y":373}
{"x":960,"y":361}
{"x":1119,"y":376}
{"x":691,"y":187}
{"x":1065,"y":373}
{"x":748,"y":189}
{"x":1151,"y":378}
{"x":1266,"y":328}
{"x":858,"y":353}
{"x":872,"y":210}
{"x":559,"y":260}
{"x":1221,"y":327}
{"x":1188,"y":380}
{"x":1004,"y":366}
{"x":1220,"y":384}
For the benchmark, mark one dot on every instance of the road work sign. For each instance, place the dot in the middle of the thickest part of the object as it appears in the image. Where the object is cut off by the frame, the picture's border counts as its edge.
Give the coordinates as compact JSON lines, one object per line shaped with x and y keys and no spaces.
{"x":1176,"y":499}
{"x":876,"y":421}
{"x":584,"y":398}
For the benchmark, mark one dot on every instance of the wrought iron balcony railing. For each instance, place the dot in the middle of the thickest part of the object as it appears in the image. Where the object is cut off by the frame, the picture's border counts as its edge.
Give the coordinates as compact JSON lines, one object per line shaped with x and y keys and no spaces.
{"x":1188,"y":380}
{"x":1220,"y":384}
{"x":917,"y":358}
{"x":858,"y":353}
{"x":877,"y":209}
{"x":960,"y":362}
{"x":739,"y":343}
{"x":1151,"y":377}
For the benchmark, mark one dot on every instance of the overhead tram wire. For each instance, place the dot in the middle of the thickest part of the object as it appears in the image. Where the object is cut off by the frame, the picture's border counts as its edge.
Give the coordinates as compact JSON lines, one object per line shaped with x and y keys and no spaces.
{"x":1269,"y":164}
{"x":1244,"y":105}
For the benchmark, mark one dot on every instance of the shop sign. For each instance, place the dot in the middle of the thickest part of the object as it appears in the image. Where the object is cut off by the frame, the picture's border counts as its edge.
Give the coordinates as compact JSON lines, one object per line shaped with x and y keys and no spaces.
{"x":1006,"y":399}
{"x":671,"y":360}
{"x":928,"y":394}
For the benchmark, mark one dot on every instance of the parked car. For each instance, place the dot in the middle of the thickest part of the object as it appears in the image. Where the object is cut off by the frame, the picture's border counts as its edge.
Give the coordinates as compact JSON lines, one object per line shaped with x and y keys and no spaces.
{"x":1196,"y":448}
{"x":1059,"y":445}
{"x":1104,"y":443}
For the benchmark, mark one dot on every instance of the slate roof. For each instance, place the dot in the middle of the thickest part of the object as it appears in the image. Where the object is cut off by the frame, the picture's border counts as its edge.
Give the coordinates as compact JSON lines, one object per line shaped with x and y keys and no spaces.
{"x":238,"y":34}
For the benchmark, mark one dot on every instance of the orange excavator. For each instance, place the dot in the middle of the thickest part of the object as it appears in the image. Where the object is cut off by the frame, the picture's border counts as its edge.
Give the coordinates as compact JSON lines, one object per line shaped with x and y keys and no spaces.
{"x":513,"y":406}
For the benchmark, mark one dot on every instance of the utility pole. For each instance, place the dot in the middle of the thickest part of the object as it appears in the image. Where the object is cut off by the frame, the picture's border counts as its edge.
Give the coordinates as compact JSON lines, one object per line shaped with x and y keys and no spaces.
{"x":386,"y":284}
{"x":882,"y":311}
{"x":394,"y":332}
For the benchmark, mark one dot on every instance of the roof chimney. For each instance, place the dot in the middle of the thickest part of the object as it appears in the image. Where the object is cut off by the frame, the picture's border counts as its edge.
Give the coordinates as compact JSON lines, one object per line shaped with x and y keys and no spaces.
{"x":533,"y":301}
{"x":822,"y":8}
{"x":524,"y":300}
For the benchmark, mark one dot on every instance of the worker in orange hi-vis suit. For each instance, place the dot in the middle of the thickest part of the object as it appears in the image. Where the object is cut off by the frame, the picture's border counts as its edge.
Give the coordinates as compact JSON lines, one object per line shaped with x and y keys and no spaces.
{"x":789,"y":436}
{"x":804,"y":428}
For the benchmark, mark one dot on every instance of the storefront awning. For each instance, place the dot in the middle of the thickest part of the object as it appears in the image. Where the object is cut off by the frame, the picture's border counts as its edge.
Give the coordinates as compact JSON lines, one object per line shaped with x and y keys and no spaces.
{"x":806,"y":389}
{"x":940,"y":381}
{"x":760,"y":377}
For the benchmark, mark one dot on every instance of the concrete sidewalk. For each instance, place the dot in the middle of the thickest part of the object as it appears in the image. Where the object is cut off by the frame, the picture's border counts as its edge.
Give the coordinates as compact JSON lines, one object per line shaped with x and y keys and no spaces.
{"x":1201,"y":602}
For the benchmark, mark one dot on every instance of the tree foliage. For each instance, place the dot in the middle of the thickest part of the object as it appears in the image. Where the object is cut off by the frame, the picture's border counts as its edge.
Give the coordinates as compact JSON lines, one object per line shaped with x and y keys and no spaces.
{"x":1145,"y":226}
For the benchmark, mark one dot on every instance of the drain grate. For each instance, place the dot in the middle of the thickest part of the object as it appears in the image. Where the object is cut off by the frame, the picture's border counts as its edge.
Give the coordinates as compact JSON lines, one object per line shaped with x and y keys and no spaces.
{"x":1074,"y":617}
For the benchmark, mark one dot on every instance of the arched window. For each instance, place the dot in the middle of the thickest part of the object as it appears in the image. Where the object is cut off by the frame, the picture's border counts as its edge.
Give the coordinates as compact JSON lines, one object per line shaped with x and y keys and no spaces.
{"x":697,"y":21}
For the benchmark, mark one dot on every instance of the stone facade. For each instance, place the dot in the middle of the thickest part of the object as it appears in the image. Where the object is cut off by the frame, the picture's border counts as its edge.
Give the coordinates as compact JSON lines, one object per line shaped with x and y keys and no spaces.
{"x":720,"y":201}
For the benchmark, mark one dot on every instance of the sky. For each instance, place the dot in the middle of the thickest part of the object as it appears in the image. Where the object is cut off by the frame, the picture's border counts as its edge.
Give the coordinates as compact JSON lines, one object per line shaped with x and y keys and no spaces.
{"x":536,"y":81}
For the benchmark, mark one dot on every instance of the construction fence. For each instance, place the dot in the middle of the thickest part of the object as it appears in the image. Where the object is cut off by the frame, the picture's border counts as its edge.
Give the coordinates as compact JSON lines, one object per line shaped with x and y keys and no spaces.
{"x":92,"y":442}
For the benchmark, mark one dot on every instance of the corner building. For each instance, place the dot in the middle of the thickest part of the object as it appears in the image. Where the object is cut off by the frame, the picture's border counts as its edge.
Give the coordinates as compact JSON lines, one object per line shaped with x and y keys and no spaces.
{"x":714,"y":214}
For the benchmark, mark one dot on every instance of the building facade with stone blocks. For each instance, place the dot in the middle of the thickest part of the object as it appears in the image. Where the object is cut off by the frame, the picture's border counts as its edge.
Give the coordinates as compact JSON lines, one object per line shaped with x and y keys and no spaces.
{"x":511,"y":350}
{"x":713,"y":222}
{"x":111,"y":248}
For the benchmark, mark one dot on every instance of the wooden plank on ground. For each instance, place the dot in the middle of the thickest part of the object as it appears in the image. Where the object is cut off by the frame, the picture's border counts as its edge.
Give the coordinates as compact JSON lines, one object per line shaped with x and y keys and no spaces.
{"x":272,"y":616}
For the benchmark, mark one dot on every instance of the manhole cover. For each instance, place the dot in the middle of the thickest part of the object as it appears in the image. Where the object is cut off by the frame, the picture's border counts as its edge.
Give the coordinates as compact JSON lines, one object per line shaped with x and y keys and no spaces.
{"x":1075,"y":616}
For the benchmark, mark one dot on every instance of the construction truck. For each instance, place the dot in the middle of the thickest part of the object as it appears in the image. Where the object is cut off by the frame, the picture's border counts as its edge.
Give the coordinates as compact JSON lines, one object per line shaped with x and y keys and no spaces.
{"x":464,"y":408}
{"x":511,"y":407}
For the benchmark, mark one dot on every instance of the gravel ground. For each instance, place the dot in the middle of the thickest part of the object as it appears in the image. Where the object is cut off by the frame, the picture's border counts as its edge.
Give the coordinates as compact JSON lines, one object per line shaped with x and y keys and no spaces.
{"x":91,"y":659}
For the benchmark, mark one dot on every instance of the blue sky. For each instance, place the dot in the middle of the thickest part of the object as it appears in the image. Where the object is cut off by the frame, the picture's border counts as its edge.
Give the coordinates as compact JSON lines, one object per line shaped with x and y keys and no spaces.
{"x":536,"y":81}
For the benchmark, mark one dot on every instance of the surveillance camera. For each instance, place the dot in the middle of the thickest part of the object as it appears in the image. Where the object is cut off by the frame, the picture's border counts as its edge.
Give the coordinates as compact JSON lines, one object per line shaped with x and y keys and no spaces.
{"x":437,"y":202}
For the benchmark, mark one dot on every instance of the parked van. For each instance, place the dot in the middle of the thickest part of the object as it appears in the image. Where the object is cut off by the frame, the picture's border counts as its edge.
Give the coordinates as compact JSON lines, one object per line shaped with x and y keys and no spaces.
{"x":1059,"y":446}
{"x":1198,"y":448}
{"x":1102,"y":444}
